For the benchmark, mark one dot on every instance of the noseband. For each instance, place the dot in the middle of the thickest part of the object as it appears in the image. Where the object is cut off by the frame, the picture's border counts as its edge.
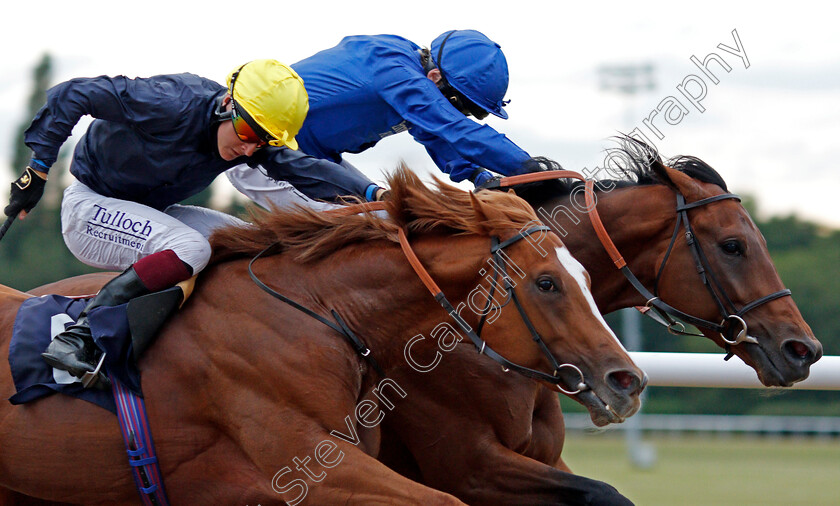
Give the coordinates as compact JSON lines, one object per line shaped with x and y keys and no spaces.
{"x":732,"y":317}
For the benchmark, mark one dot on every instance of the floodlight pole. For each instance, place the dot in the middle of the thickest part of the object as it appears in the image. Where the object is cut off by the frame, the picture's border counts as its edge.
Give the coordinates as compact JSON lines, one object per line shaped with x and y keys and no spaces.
{"x":631,"y":80}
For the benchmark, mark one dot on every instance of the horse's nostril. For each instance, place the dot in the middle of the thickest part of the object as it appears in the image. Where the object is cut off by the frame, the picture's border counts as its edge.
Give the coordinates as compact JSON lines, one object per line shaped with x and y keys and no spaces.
{"x":801,"y":352}
{"x":623,"y":381}
{"x":799,"y":349}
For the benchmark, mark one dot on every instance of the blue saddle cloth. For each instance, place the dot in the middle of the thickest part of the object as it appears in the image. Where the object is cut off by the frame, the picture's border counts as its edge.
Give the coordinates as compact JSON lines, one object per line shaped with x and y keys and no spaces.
{"x":38,"y":320}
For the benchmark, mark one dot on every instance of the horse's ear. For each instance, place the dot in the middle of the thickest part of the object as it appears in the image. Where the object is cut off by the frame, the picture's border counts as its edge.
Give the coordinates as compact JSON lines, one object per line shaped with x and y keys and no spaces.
{"x":478,"y":207}
{"x":484,"y":214}
{"x":678,"y":181}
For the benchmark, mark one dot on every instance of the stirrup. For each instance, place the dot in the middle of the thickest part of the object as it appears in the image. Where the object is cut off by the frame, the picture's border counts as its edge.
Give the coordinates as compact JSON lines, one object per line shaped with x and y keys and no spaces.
{"x":91,"y":378}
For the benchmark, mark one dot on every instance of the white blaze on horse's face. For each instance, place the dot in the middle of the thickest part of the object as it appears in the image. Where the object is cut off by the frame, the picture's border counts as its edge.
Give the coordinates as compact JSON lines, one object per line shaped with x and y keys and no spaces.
{"x":579,"y":274}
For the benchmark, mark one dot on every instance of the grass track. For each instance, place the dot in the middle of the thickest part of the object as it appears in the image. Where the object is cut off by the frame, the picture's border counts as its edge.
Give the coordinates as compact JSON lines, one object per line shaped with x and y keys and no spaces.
{"x":714,"y":470}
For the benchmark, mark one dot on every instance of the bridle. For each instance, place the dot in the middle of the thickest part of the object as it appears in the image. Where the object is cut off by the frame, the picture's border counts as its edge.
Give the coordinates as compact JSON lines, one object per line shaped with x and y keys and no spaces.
{"x":730,"y":314}
{"x":500,"y":271}
{"x":663,"y":313}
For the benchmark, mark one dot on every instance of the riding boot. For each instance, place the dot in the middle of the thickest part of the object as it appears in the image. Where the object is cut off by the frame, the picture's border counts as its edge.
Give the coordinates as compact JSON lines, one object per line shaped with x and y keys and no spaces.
{"x":74,"y":350}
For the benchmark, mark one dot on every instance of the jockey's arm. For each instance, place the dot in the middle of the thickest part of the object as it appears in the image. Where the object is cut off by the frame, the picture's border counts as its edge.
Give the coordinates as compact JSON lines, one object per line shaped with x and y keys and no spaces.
{"x":317,"y":178}
{"x":117,"y":99}
{"x":452,"y":138}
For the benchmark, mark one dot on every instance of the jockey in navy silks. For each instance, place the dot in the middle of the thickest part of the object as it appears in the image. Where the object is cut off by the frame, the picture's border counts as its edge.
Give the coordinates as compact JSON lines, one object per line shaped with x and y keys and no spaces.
{"x":369,"y":87}
{"x":155,"y":142}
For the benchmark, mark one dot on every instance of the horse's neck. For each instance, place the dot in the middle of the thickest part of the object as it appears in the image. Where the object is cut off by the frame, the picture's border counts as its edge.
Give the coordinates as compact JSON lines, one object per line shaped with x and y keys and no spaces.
{"x":405,"y":307}
{"x":372,"y":287}
{"x":638,"y":219}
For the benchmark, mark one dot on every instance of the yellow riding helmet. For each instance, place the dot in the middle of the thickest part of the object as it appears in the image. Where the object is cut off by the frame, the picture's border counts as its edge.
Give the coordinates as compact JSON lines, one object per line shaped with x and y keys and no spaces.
{"x":271,"y":95}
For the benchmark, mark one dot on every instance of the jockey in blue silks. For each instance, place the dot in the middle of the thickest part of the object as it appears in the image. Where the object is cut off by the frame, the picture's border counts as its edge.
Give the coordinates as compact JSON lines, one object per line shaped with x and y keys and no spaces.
{"x":369,"y":87}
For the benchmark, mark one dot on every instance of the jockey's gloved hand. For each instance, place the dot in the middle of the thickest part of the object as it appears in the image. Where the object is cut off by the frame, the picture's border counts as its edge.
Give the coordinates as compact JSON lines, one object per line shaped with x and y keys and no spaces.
{"x":489,"y":183}
{"x":26,"y":192}
{"x":480,"y":175}
{"x":484,"y":179}
{"x":383,"y":195}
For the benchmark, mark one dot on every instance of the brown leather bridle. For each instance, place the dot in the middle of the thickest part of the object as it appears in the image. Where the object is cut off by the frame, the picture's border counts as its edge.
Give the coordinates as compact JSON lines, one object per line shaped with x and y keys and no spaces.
{"x":664,"y":313}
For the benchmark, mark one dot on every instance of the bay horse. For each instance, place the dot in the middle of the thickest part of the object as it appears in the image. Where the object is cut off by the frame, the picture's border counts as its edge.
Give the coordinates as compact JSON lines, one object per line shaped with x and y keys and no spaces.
{"x":640,"y":214}
{"x":240,"y":387}
{"x":691,"y":244}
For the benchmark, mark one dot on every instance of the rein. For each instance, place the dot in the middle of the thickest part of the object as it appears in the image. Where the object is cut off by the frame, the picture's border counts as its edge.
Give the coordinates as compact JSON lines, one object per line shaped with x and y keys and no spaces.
{"x":664,"y":313}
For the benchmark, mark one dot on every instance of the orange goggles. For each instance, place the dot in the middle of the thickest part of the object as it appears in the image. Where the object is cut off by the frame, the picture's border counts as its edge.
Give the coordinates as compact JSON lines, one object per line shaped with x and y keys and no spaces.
{"x":247,"y":129}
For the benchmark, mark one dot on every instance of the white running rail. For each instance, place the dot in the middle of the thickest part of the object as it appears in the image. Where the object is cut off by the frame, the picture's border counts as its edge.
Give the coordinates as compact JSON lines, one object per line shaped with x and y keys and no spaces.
{"x":709,"y":370}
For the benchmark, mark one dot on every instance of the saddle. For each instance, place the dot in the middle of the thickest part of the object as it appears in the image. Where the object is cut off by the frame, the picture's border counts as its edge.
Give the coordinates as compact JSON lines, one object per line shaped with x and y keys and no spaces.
{"x":123,"y":333}
{"x":148,"y":313}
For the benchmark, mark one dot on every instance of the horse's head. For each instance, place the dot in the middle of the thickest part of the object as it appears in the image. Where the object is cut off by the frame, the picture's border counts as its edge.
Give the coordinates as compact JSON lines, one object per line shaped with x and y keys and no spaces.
{"x":534,"y":313}
{"x":718,"y":255}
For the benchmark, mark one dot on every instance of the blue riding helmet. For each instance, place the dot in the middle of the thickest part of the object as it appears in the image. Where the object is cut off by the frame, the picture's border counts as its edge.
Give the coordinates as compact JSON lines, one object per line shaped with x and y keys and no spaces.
{"x":475,"y":66}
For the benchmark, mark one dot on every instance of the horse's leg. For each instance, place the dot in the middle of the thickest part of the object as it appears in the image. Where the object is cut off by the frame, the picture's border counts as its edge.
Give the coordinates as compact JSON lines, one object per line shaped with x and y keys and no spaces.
{"x":314,"y":464}
{"x":495,"y":439}
{"x":394,"y":453}
{"x":548,"y":431}
{"x":371,"y":482}
{"x":510,"y":474}
{"x":480,"y":470}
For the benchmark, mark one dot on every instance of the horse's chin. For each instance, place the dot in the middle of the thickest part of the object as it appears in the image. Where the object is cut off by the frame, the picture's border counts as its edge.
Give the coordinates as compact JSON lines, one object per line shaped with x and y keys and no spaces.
{"x":766,"y":369}
{"x":602,"y":412}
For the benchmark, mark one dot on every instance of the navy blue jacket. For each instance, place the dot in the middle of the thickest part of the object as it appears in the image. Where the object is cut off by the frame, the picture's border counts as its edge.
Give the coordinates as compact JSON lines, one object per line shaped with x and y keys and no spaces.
{"x":369,"y":87}
{"x":153,"y":141}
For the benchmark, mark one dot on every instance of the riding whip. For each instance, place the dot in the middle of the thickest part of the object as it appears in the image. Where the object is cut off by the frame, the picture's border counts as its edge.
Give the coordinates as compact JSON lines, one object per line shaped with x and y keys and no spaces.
{"x":7,"y":225}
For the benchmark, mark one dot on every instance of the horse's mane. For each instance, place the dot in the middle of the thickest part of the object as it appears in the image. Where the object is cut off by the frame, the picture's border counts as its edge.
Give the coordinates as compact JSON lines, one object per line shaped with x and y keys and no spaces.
{"x":633,"y":163}
{"x":310,"y":235}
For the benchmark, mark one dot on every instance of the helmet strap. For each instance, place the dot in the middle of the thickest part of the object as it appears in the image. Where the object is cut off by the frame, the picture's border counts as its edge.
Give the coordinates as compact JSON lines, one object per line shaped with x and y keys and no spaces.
{"x":220,"y":114}
{"x":440,"y":54}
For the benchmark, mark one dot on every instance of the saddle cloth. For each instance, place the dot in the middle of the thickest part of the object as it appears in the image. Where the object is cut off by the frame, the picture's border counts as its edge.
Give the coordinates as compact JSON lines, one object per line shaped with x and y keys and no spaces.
{"x":38,"y":320}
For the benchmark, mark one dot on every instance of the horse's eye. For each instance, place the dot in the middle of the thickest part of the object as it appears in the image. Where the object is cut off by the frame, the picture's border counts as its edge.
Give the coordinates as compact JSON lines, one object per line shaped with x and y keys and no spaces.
{"x":732,"y":248}
{"x":546,"y":285}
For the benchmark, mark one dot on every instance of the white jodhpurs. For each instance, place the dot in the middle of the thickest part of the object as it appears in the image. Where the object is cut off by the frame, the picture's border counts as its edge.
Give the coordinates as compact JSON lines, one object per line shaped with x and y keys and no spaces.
{"x":255,"y":184}
{"x":113,"y":234}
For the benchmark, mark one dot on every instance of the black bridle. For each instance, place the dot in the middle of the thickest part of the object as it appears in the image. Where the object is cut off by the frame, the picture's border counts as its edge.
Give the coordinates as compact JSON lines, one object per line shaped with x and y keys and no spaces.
{"x":500,"y":270}
{"x":732,"y":317}
{"x":664,"y":313}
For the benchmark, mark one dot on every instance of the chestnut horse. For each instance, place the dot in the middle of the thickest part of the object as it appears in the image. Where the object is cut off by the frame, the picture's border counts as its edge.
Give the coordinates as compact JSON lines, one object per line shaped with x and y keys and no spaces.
{"x":240,"y":387}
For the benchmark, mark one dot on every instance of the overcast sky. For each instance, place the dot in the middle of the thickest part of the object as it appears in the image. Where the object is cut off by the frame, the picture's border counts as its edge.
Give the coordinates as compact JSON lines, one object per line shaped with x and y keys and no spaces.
{"x":771,"y":129}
